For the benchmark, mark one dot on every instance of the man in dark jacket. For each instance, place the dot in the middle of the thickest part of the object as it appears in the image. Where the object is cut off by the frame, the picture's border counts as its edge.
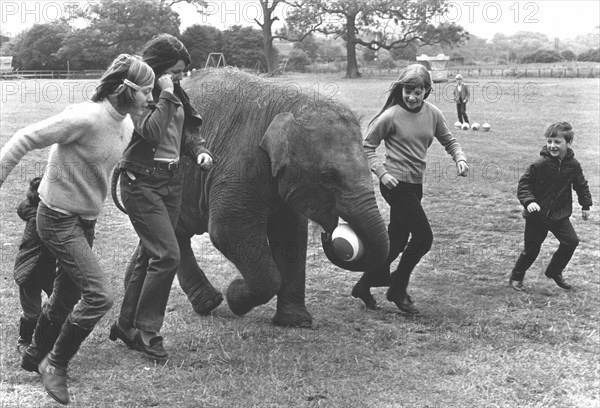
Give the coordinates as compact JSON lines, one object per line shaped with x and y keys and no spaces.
{"x":545,"y":193}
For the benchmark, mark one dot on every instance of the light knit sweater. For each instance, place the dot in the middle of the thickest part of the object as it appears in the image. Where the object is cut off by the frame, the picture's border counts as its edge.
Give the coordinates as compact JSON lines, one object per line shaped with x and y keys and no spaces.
{"x":407,"y":136}
{"x":88,"y":139}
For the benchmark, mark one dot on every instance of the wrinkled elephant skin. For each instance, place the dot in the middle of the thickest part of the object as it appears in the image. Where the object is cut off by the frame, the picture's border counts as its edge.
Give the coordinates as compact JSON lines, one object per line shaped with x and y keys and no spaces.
{"x":283,"y":157}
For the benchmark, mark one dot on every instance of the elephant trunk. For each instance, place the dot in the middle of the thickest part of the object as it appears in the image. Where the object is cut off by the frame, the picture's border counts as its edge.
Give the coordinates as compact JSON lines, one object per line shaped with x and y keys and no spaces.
{"x":365,"y":219}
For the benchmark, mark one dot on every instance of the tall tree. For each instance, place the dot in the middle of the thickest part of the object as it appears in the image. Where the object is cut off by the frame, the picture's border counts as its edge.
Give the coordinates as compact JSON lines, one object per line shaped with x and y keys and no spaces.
{"x":37,"y":47}
{"x":376,"y":24}
{"x":242,"y":47}
{"x":268,"y":36}
{"x":116,"y":26}
{"x":200,"y":42}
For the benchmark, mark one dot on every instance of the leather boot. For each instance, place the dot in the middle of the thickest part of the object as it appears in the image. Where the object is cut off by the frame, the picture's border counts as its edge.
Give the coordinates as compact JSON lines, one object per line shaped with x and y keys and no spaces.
{"x":44,"y":336}
{"x":26,"y":329}
{"x":54,"y":367}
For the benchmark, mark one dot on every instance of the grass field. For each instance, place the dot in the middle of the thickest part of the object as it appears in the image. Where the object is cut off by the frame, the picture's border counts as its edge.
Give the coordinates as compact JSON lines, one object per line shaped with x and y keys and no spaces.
{"x":476,"y":343}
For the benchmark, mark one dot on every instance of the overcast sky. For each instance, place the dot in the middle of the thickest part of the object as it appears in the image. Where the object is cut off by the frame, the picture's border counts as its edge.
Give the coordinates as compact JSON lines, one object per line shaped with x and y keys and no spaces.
{"x":555,"y":18}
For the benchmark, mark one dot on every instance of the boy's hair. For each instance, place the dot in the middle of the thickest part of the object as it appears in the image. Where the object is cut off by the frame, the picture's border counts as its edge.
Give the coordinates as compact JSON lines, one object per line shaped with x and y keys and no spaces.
{"x":32,"y":194}
{"x":563,"y":129}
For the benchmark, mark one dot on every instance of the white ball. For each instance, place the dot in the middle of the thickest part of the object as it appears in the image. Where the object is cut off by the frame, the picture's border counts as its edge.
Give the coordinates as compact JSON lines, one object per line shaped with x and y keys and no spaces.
{"x":486,"y":127}
{"x":465,"y":126}
{"x":346,"y":244}
{"x":475,"y":126}
{"x":457,"y":125}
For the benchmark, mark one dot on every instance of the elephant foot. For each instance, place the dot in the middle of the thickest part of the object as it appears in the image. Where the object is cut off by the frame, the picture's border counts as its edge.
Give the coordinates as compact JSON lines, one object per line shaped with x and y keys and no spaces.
{"x":293,"y":317}
{"x":237,"y":298}
{"x":207,"y":301}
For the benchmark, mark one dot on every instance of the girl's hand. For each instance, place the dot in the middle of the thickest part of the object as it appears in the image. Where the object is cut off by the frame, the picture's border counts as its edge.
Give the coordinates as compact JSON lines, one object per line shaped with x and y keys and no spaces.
{"x":533,"y":207}
{"x":165,"y":83}
{"x":389,"y":181}
{"x":585,"y":214}
{"x":205,"y":161}
{"x":462,"y":168}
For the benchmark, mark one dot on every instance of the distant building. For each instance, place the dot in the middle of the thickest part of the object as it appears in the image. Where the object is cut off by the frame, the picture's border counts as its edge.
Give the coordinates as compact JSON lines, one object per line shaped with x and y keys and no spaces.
{"x":437,"y":66}
{"x":6,"y":64}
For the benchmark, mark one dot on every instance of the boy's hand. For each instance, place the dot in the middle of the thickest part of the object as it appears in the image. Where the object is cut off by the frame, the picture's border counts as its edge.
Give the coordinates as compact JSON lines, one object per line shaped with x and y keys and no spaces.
{"x":533,"y":207}
{"x":585,"y":214}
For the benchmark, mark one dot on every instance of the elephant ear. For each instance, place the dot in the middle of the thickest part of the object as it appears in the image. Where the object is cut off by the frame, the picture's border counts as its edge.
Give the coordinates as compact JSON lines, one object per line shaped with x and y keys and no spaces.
{"x":276,"y":141}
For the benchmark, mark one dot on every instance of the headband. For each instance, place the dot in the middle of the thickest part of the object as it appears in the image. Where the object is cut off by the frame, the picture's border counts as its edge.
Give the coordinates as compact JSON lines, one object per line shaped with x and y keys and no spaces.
{"x":131,"y":84}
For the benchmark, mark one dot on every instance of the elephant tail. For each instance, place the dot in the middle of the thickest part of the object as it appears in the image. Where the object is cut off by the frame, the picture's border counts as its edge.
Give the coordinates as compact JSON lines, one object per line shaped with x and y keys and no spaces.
{"x":113,"y":189}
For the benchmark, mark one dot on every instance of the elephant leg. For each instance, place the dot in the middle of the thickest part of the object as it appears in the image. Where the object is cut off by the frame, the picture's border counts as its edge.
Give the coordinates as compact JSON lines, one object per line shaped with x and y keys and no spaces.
{"x":243,"y":240}
{"x":288,"y":233}
{"x":200,"y":292}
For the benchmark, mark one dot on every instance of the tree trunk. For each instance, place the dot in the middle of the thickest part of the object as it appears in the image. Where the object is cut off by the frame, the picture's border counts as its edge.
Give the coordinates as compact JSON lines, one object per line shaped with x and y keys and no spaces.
{"x":351,"y":65}
{"x":268,"y":40}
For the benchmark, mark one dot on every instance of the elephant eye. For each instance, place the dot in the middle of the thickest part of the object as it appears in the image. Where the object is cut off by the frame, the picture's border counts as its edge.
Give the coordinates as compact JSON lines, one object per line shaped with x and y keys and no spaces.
{"x":330,"y":176}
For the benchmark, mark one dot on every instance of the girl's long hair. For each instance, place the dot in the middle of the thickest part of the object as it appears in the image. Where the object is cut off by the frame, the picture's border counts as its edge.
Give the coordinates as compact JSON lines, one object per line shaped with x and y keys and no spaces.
{"x":413,"y":76}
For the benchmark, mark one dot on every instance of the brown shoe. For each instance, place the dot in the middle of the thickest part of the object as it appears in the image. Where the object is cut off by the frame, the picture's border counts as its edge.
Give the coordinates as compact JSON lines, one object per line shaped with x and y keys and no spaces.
{"x":117,"y":333}
{"x":155,"y":349}
{"x":404,"y":303}
{"x":516,"y":284}
{"x":559,"y":280}
{"x":55,"y":381}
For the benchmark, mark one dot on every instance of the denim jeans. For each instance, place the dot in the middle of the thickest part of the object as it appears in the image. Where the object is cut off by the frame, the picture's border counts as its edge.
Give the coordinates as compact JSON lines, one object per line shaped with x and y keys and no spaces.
{"x":152,"y":203}
{"x":81,"y":289}
{"x":407,"y":219}
{"x":536,"y":231}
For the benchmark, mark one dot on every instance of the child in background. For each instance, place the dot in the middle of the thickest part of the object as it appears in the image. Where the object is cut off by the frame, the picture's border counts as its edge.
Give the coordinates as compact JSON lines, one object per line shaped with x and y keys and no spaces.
{"x":545,"y":193}
{"x":35,"y":267}
{"x":461,"y":97}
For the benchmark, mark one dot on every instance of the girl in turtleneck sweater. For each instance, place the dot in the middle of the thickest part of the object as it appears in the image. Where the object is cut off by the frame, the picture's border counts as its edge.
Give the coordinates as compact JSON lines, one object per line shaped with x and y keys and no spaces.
{"x":407,"y":124}
{"x":87,"y":140}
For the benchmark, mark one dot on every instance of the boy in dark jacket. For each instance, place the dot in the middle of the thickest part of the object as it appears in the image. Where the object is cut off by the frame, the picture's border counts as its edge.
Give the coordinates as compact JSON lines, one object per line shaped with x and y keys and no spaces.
{"x":35,"y":267}
{"x":545,"y":193}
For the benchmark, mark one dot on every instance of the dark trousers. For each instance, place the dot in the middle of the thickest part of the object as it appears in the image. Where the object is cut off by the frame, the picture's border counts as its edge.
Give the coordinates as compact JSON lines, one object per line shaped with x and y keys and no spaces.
{"x":407,"y":219}
{"x":81,"y":289}
{"x":536,"y":231}
{"x":30,"y":292}
{"x":461,"y":111}
{"x":152,"y":203}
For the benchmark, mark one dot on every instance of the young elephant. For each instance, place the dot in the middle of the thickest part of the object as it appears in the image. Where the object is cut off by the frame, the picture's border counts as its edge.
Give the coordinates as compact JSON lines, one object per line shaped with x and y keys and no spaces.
{"x":283,"y":155}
